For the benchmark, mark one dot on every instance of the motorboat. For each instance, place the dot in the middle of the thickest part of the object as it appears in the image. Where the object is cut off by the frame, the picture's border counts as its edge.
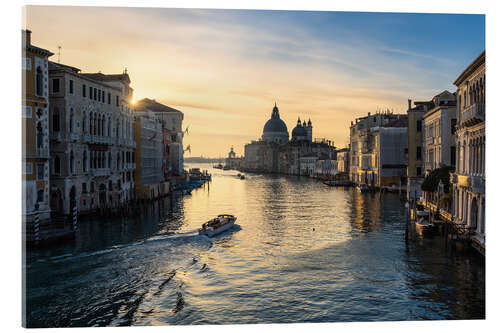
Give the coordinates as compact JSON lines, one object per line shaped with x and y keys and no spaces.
{"x":217,"y":225}
{"x":424,"y":227}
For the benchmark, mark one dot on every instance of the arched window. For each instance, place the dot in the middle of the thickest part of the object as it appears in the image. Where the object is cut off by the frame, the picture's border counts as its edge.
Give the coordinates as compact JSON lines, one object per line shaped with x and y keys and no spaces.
{"x":103,"y":126}
{"x":465,"y":99}
{"x":109,"y":160}
{"x":39,"y":81}
{"x":57,"y":165}
{"x":118,"y":160}
{"x":71,"y":162}
{"x":39,"y":135}
{"x":84,"y":123}
{"x":109,"y":126}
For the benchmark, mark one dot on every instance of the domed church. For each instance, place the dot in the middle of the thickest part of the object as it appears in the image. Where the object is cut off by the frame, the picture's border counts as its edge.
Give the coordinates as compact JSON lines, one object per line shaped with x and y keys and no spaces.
{"x":275,"y":129}
{"x":275,"y":153}
{"x":302,"y":132}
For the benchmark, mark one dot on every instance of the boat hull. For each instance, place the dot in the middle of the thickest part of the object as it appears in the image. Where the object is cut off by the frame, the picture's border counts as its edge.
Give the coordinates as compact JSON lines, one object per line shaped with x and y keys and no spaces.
{"x":211,"y":233}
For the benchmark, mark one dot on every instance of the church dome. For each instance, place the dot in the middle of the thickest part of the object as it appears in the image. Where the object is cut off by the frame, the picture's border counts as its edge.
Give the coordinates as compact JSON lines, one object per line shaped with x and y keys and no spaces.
{"x":275,"y":124}
{"x":299,"y":132}
{"x":275,"y":129}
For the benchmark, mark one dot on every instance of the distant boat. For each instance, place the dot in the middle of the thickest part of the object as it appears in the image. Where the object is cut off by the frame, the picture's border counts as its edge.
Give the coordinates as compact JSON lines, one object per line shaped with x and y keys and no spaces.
{"x":242,"y":176}
{"x":217,"y":225}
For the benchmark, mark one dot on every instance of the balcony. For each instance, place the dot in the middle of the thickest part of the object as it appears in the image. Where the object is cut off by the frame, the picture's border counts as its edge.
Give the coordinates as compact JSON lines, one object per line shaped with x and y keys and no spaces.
{"x":429,"y":140}
{"x":477,"y":184}
{"x":472,"y":115}
{"x":102,"y":172}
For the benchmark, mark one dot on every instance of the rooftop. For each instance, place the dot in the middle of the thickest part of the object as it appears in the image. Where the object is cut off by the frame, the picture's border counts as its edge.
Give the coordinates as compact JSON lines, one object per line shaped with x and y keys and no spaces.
{"x":153,"y":105}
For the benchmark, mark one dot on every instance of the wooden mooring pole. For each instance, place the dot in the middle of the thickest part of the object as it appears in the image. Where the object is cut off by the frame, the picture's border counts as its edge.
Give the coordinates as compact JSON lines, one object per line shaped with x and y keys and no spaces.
{"x":37,"y":224}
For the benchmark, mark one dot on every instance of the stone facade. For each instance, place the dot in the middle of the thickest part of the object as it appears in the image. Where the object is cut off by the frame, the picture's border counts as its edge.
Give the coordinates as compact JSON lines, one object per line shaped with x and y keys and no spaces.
{"x":365,"y":165}
{"x":35,"y":127}
{"x":91,"y":131}
{"x":469,"y":178}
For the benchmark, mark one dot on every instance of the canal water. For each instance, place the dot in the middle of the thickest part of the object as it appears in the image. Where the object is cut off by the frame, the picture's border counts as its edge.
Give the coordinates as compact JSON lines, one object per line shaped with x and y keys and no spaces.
{"x":301,"y":252}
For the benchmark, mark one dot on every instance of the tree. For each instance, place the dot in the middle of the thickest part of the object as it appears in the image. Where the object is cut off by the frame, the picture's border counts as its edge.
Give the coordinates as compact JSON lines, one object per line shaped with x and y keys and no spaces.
{"x":431,"y":181}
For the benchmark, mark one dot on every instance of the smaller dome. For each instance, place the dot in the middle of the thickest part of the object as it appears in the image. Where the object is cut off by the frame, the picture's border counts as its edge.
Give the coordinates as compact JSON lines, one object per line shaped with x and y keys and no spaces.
{"x":299,"y":132}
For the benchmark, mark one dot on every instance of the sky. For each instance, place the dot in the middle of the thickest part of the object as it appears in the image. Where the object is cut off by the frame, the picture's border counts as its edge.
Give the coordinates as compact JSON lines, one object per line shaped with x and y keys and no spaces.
{"x":225,"y":69}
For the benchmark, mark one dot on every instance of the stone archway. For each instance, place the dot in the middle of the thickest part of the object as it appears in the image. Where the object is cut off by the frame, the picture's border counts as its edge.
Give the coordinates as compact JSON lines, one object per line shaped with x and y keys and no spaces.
{"x":56,"y":202}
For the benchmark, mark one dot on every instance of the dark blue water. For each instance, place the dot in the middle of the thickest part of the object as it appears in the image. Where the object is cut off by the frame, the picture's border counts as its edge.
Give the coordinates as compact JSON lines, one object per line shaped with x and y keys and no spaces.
{"x":302,"y":252}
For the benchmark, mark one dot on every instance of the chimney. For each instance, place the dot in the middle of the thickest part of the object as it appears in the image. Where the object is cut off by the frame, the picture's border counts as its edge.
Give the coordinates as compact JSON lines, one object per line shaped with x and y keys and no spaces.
{"x":409,"y":104}
{"x":27,"y":37}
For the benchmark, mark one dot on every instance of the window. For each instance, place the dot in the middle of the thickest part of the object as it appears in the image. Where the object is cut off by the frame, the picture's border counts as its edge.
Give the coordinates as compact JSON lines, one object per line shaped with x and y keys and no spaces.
{"x":117,"y":101}
{"x":453,"y":155}
{"x":39,"y":81}
{"x":453,"y":126}
{"x":56,"y":121}
{"x":27,"y":113}
{"x":39,"y":171}
{"x":419,"y":171}
{"x":99,"y":95}
{"x":84,"y":187}
{"x":55,"y":86}
{"x":57,"y":165}
{"x":90,"y":92}
{"x":39,"y":195}
{"x":71,"y":87}
{"x":28,"y":168}
{"x":419,"y":125}
{"x":84,"y":90}
{"x":419,"y":153}
{"x":39,"y":135}
{"x":109,"y":98}
{"x":95,"y":93}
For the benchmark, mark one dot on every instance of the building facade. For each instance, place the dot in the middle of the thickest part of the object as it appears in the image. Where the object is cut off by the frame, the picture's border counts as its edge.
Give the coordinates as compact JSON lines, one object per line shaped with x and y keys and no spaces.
{"x":171,"y":121}
{"x":470,"y":174}
{"x":363,"y":167}
{"x":275,"y":153}
{"x":35,"y":130}
{"x":343,"y":160}
{"x":149,"y":174}
{"x":439,"y":132}
{"x":91,"y":138}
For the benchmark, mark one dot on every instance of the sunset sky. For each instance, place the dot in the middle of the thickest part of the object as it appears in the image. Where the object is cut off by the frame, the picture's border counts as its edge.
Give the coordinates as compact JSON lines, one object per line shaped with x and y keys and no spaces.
{"x":224,"y":69}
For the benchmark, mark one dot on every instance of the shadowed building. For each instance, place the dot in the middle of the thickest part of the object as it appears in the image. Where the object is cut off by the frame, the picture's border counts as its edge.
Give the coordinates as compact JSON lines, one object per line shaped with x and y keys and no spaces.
{"x":275,"y":153}
{"x":35,"y":126}
{"x":470,"y":176}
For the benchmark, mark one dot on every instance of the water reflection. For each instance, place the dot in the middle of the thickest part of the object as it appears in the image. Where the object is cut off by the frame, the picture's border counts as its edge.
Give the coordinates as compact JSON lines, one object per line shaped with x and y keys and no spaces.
{"x":302,"y":251}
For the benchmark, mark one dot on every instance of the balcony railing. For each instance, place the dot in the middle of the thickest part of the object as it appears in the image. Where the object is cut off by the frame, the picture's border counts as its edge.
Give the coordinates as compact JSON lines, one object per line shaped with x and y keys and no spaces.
{"x":87,"y":138}
{"x":472,"y":114}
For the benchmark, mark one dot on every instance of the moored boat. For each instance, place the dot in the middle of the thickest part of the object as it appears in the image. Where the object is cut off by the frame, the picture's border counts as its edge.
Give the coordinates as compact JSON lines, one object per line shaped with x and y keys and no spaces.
{"x":217,"y":225}
{"x":424,"y":227}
